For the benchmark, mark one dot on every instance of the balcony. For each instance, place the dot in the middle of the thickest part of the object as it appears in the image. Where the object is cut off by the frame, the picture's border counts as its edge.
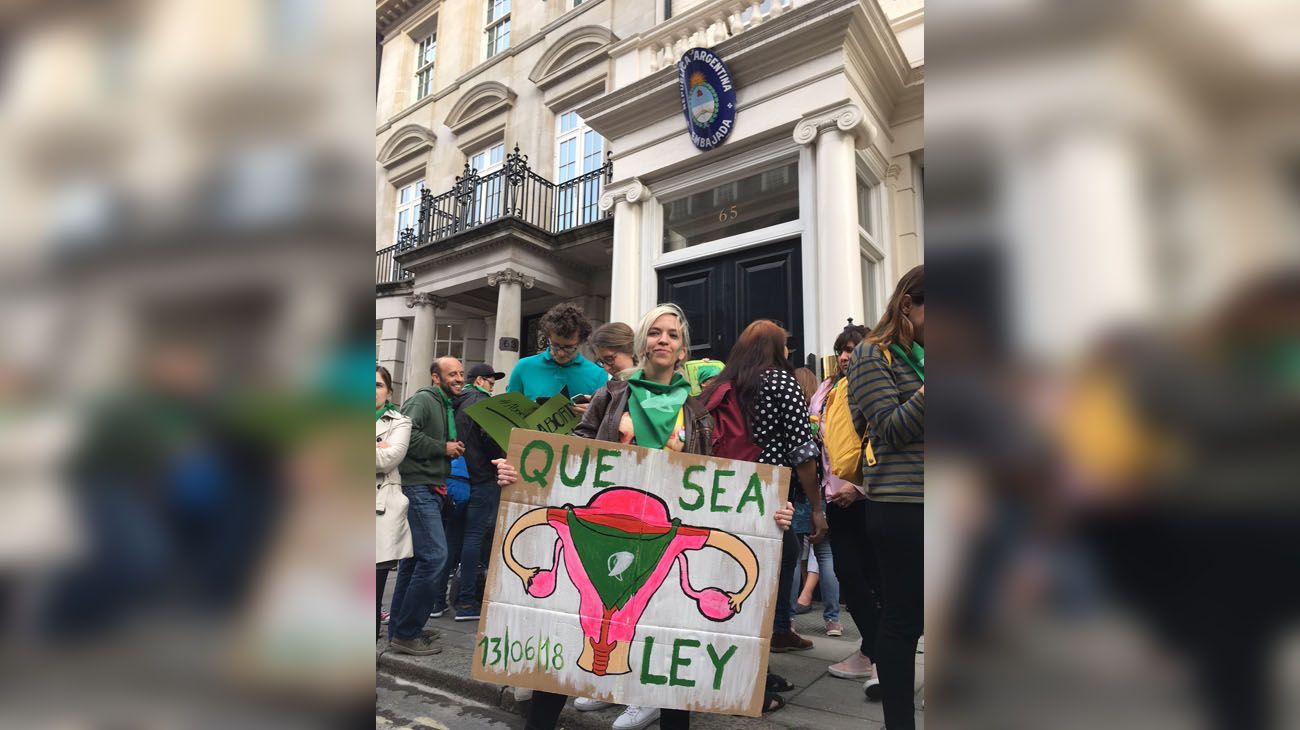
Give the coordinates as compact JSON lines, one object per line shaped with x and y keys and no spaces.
{"x":512,"y":192}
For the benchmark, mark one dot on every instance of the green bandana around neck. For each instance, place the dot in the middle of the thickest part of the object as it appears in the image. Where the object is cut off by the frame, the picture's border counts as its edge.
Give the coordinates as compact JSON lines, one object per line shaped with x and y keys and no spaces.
{"x":451,"y":415}
{"x":915,"y":358}
{"x":654,"y":407}
{"x":381,"y":410}
{"x":481,"y":390}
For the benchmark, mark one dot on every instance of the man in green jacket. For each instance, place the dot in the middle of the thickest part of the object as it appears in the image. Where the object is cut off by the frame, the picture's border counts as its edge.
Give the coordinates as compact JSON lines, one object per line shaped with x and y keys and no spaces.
{"x":424,"y":482}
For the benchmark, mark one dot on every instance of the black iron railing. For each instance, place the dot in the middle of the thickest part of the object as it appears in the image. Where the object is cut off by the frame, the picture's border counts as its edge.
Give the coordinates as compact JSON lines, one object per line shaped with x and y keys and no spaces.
{"x":514,"y":191}
{"x":387,"y":270}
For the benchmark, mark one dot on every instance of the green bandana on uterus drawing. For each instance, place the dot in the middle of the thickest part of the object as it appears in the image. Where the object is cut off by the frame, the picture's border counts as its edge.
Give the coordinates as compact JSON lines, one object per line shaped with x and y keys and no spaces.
{"x":617,"y":551}
{"x":618,"y":562}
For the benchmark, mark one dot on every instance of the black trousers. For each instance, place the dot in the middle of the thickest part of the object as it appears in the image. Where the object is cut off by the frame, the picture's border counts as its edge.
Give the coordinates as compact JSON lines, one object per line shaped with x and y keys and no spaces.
{"x":856,"y":569}
{"x":381,"y":580}
{"x":544,"y":713}
{"x":896,"y":530}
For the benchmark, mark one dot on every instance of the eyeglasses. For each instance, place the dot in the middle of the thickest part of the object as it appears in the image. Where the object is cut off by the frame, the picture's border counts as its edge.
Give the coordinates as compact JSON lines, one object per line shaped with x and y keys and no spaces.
{"x":562,"y":349}
{"x":608,"y":362}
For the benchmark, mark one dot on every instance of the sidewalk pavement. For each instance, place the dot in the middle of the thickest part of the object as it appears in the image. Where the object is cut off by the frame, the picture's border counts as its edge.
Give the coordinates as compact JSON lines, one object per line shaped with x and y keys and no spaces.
{"x":818,"y":700}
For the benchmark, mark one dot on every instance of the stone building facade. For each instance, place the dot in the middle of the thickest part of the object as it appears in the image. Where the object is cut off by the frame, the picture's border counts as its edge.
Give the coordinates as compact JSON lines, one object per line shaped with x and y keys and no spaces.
{"x":537,"y":153}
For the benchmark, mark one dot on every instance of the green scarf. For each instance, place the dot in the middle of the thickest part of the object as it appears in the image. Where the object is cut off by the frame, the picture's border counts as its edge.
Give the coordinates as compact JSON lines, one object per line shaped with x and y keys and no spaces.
{"x":915,"y":358}
{"x":654,"y":408}
{"x":484,"y":392}
{"x":451,"y":415}
{"x":381,"y":410}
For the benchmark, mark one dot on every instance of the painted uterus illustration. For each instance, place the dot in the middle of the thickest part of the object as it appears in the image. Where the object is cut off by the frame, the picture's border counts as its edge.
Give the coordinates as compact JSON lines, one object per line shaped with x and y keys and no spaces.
{"x":617,"y":551}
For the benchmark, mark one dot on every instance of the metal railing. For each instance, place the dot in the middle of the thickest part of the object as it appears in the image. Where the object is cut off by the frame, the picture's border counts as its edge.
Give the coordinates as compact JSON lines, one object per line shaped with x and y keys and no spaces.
{"x":514,"y":191}
{"x":387,"y":270}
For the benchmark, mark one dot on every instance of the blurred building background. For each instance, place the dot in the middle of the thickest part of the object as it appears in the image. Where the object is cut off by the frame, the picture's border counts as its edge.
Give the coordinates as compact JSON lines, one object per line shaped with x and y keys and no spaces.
{"x":145,"y":177}
{"x":183,"y":309}
{"x":533,"y":153}
{"x":1111,"y":241}
{"x":1134,"y":164}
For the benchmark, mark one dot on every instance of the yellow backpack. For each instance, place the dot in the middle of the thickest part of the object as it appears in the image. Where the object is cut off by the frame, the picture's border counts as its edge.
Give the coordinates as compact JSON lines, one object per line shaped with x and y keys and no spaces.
{"x":845,"y":447}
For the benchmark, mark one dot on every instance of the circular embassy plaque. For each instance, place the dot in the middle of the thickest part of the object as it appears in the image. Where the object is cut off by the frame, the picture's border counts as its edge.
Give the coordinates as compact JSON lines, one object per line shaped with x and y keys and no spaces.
{"x":708,"y":97}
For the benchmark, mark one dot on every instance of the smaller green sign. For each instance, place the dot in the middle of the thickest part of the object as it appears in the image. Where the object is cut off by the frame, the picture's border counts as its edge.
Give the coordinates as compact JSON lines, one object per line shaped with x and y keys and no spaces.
{"x":500,"y":414}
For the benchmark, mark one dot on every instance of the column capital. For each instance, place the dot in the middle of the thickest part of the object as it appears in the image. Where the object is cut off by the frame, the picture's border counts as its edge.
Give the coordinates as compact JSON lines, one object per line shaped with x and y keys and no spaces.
{"x":425,"y":299}
{"x":848,"y":118}
{"x":510,"y":276}
{"x":631,"y":192}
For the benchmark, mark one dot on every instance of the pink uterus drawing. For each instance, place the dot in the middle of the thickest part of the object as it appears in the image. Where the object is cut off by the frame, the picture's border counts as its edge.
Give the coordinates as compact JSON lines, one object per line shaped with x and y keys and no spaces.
{"x":618,"y":551}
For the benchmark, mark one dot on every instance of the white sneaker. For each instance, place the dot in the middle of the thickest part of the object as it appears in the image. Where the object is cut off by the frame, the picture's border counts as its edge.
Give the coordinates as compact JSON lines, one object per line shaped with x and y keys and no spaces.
{"x":587,"y":704}
{"x":635,"y":718}
{"x":871,"y":688}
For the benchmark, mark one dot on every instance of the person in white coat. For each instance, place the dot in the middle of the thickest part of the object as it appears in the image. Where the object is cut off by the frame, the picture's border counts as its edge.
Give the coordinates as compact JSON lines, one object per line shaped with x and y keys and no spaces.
{"x":393,"y":536}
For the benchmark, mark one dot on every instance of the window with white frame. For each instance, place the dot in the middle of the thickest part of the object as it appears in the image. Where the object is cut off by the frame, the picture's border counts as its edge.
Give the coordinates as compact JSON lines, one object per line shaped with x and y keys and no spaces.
{"x":579,"y":150}
{"x":498,"y":26}
{"x":428,"y":51}
{"x":487,"y":196}
{"x":760,"y":199}
{"x":408,"y":208}
{"x":873,"y":254}
{"x":870,"y":289}
{"x":449,"y":339}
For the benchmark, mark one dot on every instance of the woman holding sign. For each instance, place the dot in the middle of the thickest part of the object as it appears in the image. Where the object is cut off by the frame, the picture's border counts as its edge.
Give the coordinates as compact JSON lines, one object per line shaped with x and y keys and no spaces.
{"x":653,"y":408}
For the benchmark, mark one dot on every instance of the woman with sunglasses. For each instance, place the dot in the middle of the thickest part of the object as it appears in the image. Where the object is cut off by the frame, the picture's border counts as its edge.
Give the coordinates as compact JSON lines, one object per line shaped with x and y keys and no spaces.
{"x":887,"y":397}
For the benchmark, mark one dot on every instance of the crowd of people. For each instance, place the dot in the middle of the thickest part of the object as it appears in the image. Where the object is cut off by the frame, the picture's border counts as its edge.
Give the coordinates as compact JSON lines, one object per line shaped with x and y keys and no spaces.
{"x":854,"y":515}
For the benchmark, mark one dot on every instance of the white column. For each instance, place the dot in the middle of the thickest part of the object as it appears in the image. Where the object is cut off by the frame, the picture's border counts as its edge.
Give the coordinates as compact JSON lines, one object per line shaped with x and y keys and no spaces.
{"x":392,"y":354}
{"x":510,"y":285}
{"x":837,"y":135}
{"x":625,"y":280}
{"x":1082,"y":192}
{"x":808,"y":249}
{"x":420,"y":347}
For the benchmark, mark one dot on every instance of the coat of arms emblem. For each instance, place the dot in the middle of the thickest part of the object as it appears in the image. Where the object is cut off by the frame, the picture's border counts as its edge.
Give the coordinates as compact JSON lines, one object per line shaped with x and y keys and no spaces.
{"x":702,"y":100}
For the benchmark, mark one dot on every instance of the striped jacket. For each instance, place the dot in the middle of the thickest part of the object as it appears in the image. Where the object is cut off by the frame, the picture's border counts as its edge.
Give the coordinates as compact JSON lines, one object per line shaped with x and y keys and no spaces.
{"x":888,"y":408}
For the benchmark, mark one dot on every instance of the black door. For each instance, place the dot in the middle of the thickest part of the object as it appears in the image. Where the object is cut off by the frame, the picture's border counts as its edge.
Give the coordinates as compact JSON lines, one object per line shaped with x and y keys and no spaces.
{"x":723,"y":294}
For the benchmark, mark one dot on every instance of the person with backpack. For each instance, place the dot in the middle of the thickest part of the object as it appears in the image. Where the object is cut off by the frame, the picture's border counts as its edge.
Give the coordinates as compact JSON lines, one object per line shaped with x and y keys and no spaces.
{"x":761,"y":416}
{"x":887,"y":399}
{"x":652,"y":408}
{"x":851,"y":552}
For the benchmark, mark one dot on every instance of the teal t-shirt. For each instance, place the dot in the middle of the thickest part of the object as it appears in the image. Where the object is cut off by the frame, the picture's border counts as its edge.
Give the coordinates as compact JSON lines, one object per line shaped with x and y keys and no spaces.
{"x":539,"y":376}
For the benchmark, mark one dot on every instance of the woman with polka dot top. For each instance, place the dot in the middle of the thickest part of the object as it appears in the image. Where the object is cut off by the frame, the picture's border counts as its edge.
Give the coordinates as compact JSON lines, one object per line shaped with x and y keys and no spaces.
{"x":776,"y":412}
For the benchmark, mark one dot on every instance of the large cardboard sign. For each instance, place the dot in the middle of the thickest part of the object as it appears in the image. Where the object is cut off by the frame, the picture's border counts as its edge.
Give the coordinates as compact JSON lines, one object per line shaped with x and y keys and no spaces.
{"x":633,"y":575}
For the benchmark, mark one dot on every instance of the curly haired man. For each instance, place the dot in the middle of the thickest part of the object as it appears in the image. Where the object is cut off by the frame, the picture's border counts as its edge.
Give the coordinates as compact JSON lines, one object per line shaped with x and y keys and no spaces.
{"x":560,"y":365}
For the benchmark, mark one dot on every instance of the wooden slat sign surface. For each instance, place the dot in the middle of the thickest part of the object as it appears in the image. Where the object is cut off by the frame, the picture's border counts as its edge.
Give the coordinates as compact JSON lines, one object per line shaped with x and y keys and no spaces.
{"x":632,"y":575}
